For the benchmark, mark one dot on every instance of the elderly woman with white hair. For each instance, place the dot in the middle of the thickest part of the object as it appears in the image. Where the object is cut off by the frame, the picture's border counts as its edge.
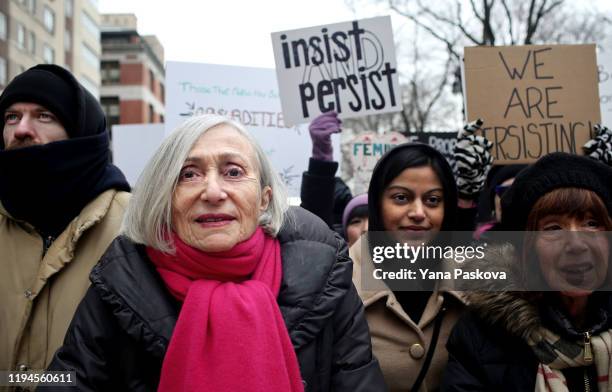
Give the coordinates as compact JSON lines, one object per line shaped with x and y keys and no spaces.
{"x":216,"y":284}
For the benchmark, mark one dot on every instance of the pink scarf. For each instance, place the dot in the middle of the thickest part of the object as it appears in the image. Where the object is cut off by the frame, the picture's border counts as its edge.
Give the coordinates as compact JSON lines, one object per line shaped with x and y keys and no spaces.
{"x":230,"y":335}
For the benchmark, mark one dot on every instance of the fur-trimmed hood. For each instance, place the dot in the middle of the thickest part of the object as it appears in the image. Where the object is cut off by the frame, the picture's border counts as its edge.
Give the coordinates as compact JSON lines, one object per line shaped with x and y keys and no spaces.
{"x":503,"y":304}
{"x":511,"y":306}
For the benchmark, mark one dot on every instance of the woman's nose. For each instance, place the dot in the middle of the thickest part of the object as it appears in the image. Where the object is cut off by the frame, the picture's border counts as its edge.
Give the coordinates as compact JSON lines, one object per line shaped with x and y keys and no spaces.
{"x":213,"y":190}
{"x":364,"y":225}
{"x":575,"y":241}
{"x":417,"y":211}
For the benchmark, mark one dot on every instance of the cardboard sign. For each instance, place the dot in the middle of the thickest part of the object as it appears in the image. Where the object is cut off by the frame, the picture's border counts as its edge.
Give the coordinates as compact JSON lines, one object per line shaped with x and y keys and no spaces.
{"x":604,"y":61}
{"x":366,"y":149}
{"x":533,"y":99}
{"x":249,"y":96}
{"x":348,"y":67}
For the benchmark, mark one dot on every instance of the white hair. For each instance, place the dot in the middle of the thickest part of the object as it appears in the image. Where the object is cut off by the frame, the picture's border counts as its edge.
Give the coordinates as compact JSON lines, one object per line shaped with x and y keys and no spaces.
{"x":148,"y":218}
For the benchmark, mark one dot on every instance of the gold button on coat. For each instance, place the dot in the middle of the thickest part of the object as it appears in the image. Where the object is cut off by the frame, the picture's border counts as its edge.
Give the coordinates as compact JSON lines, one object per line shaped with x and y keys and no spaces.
{"x":417,"y":351}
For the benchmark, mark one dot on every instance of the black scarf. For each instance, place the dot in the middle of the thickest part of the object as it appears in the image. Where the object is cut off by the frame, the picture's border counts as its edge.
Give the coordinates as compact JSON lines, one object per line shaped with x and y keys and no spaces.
{"x":48,"y":185}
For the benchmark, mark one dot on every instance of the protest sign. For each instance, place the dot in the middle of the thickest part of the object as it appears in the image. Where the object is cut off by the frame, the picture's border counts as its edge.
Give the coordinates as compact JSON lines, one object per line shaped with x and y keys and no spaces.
{"x":249,"y":96}
{"x":134,"y":145}
{"x":604,"y":66}
{"x":534,"y":99}
{"x":365,"y":150}
{"x":348,"y":67}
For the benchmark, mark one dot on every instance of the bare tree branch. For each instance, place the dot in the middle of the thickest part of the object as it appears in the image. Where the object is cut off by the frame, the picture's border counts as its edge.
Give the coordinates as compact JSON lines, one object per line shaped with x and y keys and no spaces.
{"x":510,"y":22}
{"x":449,"y":45}
{"x":448,"y":21}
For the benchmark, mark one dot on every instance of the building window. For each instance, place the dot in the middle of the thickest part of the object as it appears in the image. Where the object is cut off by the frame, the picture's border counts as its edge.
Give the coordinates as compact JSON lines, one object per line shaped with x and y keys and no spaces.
{"x":31,"y":42}
{"x":110,"y":72}
{"x":20,"y":36}
{"x":90,"y":56}
{"x":2,"y":71}
{"x":3,"y":26}
{"x":67,"y":41}
{"x":69,"y":8}
{"x":112,"y":110}
{"x":31,"y":4}
{"x":151,"y":81}
{"x":90,"y":86}
{"x":90,"y":25}
{"x":48,"y":54}
{"x":49,"y":19}
{"x":151,"y":114}
{"x":162,"y":92}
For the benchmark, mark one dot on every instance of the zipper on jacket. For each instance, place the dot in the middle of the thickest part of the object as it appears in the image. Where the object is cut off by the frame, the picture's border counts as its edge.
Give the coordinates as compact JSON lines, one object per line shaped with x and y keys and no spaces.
{"x":588,"y":353}
{"x":587,"y":383}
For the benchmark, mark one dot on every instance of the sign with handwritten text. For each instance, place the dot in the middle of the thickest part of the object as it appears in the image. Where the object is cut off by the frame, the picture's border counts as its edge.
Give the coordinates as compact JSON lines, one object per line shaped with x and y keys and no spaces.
{"x":348,"y":67}
{"x":249,"y":96}
{"x":365,"y":150}
{"x":604,"y":65}
{"x":534,"y":99}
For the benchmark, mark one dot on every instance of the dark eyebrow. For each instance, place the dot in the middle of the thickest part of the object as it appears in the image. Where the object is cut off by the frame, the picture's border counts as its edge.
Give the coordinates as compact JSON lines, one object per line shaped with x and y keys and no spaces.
{"x":411,"y":191}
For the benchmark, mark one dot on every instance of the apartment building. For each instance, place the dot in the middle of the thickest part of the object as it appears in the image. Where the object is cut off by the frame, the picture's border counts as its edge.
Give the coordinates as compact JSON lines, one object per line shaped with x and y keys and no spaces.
{"x":63,"y":32}
{"x":132,"y":72}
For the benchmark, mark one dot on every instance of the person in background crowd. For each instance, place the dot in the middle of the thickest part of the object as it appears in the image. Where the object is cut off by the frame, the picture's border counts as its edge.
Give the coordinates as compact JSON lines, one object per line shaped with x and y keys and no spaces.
{"x":246,"y":294}
{"x":412,"y":190}
{"x":62,"y":203}
{"x":489,"y":206}
{"x":556,"y":338}
{"x":473,"y":162}
{"x":355,"y":218}
{"x":322,"y":193}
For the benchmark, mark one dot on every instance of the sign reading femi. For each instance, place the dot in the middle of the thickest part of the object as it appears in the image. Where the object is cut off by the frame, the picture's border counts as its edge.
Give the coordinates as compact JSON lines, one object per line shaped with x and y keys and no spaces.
{"x":348,"y":67}
{"x":533,"y":99}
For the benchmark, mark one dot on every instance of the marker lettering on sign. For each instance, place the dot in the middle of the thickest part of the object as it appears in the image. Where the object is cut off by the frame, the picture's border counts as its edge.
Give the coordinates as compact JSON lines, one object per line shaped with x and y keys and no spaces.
{"x":348,"y":81}
{"x":532,"y":140}
{"x":307,"y":51}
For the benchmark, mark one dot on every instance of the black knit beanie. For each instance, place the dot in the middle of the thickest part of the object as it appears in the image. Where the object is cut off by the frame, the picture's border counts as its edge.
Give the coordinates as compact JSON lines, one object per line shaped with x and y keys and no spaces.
{"x":57,"y":90}
{"x":553,"y":171}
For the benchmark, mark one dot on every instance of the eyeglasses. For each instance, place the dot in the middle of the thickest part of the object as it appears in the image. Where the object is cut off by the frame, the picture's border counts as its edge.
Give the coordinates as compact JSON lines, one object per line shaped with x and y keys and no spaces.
{"x":501,"y":189}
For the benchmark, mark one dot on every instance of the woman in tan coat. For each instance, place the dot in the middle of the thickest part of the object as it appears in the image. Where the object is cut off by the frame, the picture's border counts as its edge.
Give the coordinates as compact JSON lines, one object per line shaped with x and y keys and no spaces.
{"x":412,"y":192}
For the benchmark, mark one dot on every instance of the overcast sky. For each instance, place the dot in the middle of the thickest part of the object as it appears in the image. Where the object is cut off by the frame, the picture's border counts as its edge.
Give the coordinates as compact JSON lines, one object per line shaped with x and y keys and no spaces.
{"x":235,"y":32}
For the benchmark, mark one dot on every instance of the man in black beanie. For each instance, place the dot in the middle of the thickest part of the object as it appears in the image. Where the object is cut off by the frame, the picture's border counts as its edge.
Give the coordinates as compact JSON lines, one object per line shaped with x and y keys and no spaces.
{"x":61,"y":204}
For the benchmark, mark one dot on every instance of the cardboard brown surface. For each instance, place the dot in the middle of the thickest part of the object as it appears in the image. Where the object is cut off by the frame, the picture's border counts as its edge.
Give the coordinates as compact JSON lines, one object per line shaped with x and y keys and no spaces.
{"x":534,"y":99}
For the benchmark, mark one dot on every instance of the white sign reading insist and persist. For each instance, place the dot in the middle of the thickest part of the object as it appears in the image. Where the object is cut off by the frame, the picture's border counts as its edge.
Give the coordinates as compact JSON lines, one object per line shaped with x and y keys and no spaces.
{"x":348,"y":67}
{"x":249,"y":96}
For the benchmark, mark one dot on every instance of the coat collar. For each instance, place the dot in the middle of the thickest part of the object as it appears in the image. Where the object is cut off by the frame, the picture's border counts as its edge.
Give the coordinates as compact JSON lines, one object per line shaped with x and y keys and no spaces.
{"x":522,"y":313}
{"x":311,"y":289}
{"x":383,"y":293}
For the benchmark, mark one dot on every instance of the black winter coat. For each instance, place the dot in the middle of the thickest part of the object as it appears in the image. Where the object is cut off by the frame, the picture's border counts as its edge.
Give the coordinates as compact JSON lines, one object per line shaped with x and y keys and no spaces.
{"x":121,"y":330}
{"x":325,"y":195}
{"x":487,"y":348}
